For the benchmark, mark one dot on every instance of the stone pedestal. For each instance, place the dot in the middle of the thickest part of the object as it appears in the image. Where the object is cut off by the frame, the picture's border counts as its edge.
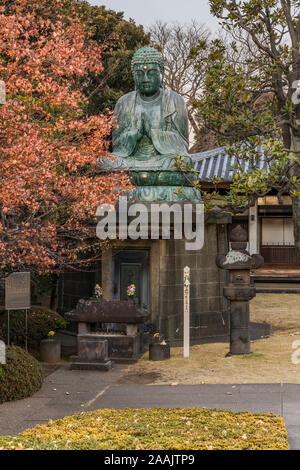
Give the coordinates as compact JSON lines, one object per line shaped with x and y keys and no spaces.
{"x":208,"y":308}
{"x":166,"y":186}
{"x":239,"y":290}
{"x":166,"y":260}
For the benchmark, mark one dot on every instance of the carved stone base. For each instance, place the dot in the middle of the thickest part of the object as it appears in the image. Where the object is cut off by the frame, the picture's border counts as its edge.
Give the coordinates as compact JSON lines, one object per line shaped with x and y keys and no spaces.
{"x":159,"y":184}
{"x":103,"y":366}
{"x":125,"y":348}
{"x":161,"y":178}
{"x":92,"y":353}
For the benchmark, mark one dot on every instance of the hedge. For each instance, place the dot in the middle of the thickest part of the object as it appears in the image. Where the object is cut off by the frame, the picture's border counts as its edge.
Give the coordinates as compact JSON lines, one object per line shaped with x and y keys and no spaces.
{"x":156,"y":429}
{"x":21,"y":376}
{"x":40,"y":321}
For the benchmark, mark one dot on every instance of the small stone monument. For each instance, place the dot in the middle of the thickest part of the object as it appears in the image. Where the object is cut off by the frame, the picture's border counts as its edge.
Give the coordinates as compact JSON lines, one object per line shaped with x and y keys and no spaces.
{"x":240,"y":289}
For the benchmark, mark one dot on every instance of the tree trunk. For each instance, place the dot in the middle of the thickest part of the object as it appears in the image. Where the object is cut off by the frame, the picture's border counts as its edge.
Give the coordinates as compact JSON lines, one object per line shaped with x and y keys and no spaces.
{"x":53,"y":295}
{"x":295,"y":145}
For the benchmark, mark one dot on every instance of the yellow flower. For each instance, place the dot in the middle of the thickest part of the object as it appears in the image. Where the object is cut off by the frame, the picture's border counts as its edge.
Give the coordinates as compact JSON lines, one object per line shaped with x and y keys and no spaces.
{"x":51,"y":333}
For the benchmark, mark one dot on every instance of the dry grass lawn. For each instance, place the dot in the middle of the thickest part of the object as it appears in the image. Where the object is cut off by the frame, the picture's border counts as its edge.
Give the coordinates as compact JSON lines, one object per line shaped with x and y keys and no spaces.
{"x":282,"y":311}
{"x":271,"y":360}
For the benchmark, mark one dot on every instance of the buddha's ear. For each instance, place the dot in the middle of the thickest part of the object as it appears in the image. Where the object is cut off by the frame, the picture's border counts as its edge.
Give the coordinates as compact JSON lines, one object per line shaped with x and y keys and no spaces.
{"x":161,"y":80}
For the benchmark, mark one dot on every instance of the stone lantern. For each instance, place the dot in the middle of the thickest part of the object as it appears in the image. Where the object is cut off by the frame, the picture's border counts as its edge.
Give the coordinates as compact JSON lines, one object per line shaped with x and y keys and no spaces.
{"x":240,"y":289}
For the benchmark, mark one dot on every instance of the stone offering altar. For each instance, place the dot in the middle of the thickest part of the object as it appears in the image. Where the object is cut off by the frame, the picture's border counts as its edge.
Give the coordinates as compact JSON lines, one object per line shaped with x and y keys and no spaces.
{"x":97,"y":345}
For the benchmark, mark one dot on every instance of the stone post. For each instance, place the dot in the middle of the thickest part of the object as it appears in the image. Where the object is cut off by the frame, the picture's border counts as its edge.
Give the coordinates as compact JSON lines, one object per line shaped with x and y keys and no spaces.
{"x":239,"y":290}
{"x":186,"y":311}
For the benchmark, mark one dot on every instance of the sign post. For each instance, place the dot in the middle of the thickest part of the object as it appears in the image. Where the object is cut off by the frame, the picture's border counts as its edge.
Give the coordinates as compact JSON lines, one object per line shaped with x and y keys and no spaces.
{"x":17,"y":297}
{"x":186,"y":312}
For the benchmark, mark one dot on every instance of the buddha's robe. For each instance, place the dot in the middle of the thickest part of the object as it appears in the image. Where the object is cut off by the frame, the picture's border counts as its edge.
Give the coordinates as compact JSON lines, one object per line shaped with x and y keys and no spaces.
{"x":149,"y":135}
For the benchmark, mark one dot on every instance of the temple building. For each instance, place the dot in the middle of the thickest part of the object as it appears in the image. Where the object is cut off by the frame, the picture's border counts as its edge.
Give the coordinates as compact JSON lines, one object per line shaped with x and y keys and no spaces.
{"x":269,"y":223}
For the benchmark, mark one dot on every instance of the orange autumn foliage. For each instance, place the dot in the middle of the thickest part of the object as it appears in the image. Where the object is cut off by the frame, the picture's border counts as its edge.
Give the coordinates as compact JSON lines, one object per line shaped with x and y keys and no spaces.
{"x":49,"y":183}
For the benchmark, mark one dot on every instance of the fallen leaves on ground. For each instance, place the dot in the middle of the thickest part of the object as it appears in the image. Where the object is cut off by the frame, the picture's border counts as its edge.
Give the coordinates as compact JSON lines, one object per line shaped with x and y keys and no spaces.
{"x":158,"y":428}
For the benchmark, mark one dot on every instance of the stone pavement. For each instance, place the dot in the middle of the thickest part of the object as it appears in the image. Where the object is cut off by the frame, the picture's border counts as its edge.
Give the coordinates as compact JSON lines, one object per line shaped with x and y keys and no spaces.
{"x":66,"y":392}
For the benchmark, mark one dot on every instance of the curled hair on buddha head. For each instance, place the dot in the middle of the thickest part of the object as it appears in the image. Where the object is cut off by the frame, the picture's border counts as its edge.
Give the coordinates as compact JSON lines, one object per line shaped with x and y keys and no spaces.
{"x":148,"y":55}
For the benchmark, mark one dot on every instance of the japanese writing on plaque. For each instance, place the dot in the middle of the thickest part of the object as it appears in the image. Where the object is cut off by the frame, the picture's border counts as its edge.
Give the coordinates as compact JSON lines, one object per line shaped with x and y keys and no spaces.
{"x":186,"y":284}
{"x":186,"y":312}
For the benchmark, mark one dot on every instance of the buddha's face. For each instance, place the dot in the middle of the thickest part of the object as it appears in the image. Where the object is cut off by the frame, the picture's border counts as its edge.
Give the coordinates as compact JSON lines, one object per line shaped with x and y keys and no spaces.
{"x":147,"y":79}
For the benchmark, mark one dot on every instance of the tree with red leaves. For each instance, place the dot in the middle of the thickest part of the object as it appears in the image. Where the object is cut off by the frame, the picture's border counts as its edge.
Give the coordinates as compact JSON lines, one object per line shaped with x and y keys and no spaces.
{"x":49,"y":147}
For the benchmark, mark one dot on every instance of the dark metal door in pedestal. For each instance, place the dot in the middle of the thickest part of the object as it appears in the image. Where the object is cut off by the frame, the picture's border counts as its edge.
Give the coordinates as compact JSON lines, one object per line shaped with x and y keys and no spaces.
{"x":131,"y":267}
{"x":130,"y":274}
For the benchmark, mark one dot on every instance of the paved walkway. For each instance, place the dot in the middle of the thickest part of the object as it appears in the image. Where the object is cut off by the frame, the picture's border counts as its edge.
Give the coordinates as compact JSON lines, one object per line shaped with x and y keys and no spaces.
{"x":66,"y":392}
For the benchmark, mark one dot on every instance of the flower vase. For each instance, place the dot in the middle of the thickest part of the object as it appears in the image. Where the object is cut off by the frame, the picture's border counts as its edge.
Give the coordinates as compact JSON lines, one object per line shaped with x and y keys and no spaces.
{"x":50,"y":350}
{"x":159,"y":352}
{"x":134,"y":300}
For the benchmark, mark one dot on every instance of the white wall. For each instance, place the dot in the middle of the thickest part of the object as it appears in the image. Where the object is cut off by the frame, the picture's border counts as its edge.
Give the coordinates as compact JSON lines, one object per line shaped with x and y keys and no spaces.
{"x":277,"y":231}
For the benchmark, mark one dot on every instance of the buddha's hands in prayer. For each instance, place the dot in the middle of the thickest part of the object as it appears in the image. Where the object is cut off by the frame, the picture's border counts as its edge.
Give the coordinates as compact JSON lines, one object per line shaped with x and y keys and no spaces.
{"x":146,"y":126}
{"x":130,"y":138}
{"x":137,"y":130}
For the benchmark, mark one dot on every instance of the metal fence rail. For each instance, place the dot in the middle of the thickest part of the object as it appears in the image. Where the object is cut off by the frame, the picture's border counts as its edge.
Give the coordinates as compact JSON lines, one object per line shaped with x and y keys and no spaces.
{"x":279,"y":254}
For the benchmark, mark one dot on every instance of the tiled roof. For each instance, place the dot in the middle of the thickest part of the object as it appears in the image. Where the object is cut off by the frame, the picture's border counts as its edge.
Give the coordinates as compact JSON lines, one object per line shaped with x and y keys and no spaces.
{"x":218,"y":163}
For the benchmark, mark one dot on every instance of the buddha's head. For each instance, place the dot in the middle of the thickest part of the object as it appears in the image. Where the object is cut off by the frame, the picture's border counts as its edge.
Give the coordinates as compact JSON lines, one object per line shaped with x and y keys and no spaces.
{"x":148,"y":71}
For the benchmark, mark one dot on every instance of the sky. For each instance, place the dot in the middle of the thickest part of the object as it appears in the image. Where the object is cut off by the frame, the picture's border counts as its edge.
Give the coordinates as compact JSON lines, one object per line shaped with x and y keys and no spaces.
{"x":145,"y":12}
